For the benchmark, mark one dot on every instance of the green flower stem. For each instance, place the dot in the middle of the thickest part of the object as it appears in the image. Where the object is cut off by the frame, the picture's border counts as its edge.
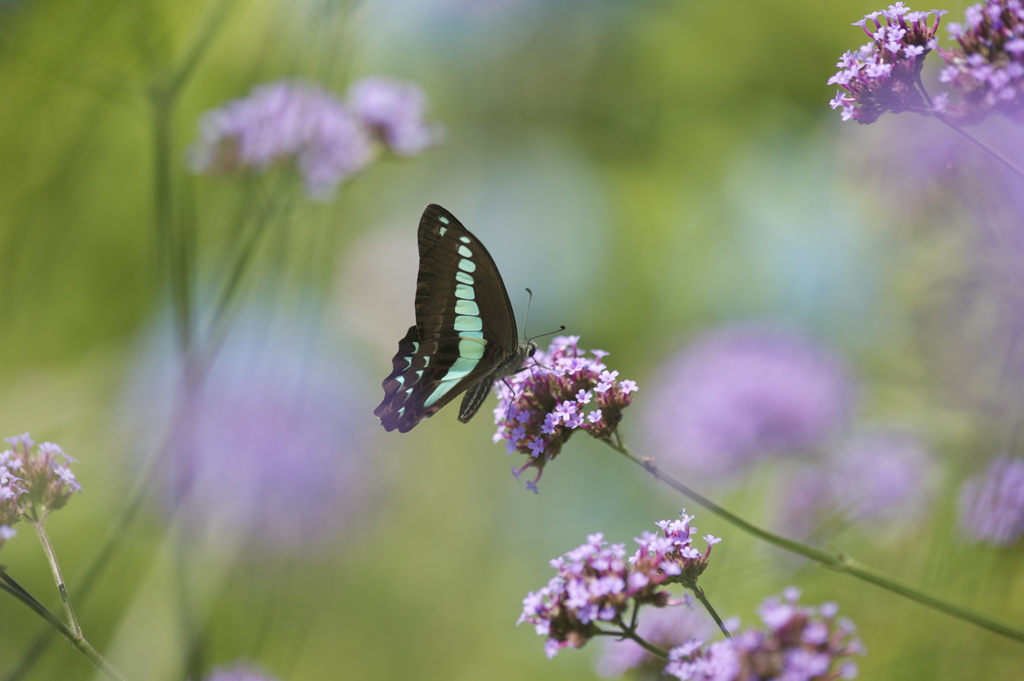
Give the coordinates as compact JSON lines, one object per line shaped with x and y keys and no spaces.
{"x":833,"y":560}
{"x":58,"y":578}
{"x":75,"y":639}
{"x":172,"y":245}
{"x":176,"y":235}
{"x":627,"y":632}
{"x":649,"y":647}
{"x":699,"y":593}
{"x":241,"y":263}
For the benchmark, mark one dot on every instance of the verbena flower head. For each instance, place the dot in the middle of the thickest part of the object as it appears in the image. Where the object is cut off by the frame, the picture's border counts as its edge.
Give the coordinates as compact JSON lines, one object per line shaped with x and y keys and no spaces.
{"x":395,"y":112}
{"x":663,"y":627}
{"x":288,"y":121}
{"x":563,"y":391}
{"x":884,"y":74}
{"x":992,"y":504}
{"x":33,"y":482}
{"x":672,"y":552}
{"x":986,"y":69}
{"x":805,"y":643}
{"x":744,"y":393}
{"x":596,"y":583}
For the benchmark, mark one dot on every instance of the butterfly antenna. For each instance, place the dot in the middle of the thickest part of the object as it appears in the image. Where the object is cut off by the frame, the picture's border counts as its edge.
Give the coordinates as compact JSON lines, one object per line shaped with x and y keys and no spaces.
{"x":560,"y":329}
{"x":526,"y":319}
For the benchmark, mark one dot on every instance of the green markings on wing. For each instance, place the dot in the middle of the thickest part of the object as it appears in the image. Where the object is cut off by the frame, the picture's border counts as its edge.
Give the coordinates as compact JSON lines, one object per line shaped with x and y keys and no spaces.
{"x":467,"y":323}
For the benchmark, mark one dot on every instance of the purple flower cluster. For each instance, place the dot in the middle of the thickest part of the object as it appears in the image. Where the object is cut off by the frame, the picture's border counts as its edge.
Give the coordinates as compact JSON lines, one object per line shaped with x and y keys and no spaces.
{"x":992,"y":505}
{"x":672,"y":552}
{"x":32,"y":484}
{"x":743,"y":393}
{"x":328,"y":141}
{"x":596,"y":583}
{"x":563,"y":391}
{"x":10,"y":490}
{"x":395,"y":112}
{"x":987,"y":67}
{"x":800,"y":643}
{"x":884,"y":75}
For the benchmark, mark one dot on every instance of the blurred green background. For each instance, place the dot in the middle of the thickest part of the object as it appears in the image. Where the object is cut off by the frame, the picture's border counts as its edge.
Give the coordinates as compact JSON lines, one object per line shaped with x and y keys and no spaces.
{"x":650,"y":169}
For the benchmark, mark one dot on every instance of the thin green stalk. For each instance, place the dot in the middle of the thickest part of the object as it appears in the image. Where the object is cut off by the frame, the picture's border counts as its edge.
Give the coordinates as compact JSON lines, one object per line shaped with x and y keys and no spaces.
{"x":836,"y":561}
{"x":75,"y":639}
{"x":630,"y":633}
{"x":234,"y":279}
{"x":649,"y":647}
{"x":198,"y":49}
{"x":58,"y":578}
{"x":173,"y":259}
{"x":699,"y":593}
{"x":174,"y":238}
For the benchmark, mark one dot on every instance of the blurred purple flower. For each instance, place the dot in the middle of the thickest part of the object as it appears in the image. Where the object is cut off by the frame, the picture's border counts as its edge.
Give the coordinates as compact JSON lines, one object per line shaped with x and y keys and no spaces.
{"x":288,"y":120}
{"x":992,"y":504}
{"x":395,"y":112}
{"x":663,"y":627}
{"x":743,"y":393}
{"x":802,"y":500}
{"x":267,"y":447}
{"x":809,"y":644}
{"x":884,"y":75}
{"x":239,"y":672}
{"x":883,"y":475}
{"x":987,"y":67}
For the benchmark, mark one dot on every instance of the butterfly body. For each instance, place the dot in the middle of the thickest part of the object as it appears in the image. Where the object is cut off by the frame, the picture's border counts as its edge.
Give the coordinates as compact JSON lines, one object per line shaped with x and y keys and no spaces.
{"x":465,"y":337}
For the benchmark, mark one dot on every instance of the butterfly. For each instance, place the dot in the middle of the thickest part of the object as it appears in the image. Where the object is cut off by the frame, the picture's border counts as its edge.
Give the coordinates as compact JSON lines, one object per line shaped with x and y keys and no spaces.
{"x":465,"y":337}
